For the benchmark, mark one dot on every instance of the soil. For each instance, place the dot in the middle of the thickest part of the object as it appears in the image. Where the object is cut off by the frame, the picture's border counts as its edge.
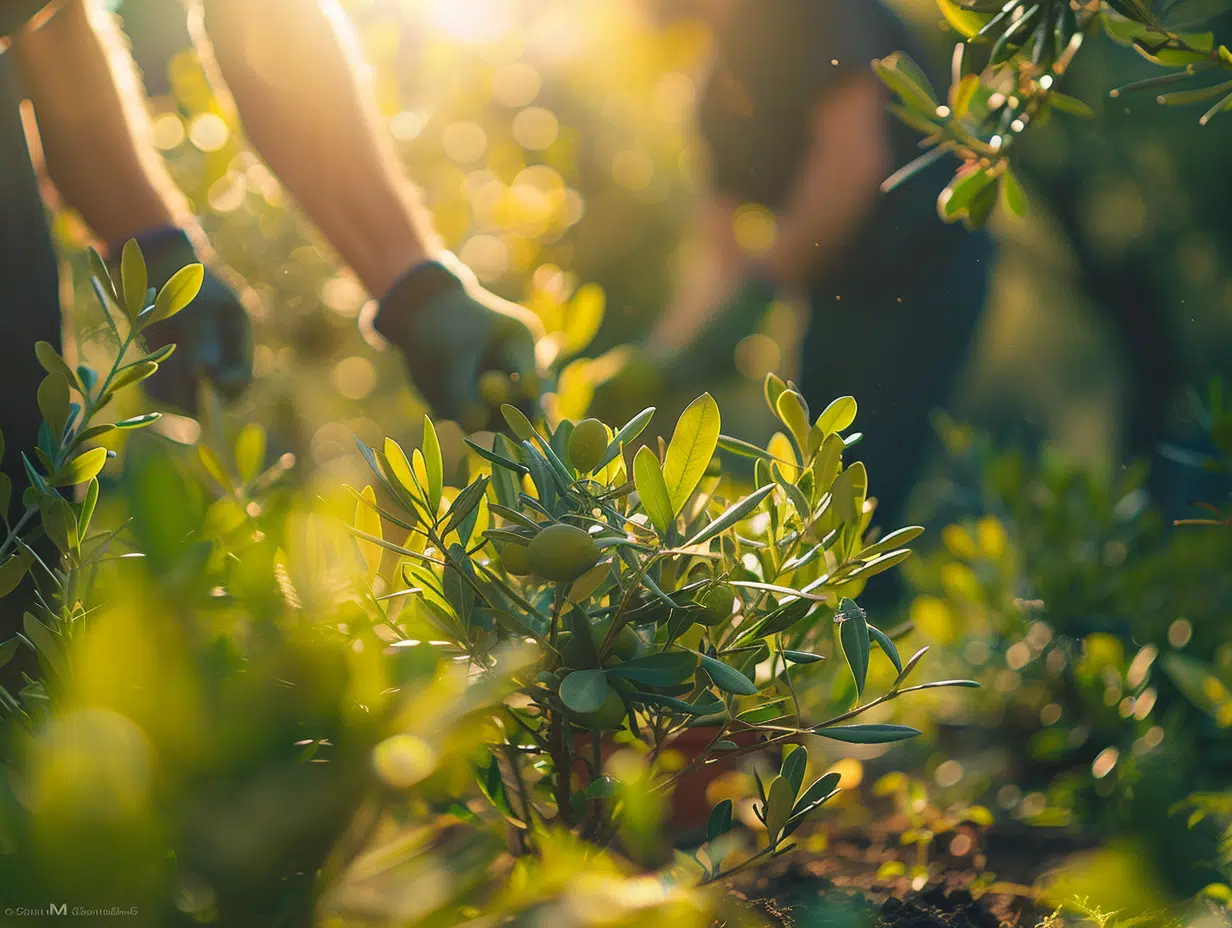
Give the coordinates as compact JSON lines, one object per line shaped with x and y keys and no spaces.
{"x":988,"y":887}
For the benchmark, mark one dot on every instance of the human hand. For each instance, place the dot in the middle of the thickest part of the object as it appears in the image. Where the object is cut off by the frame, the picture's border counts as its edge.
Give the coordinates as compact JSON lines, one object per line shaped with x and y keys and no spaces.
{"x":467,"y":350}
{"x":212,"y":335}
{"x":651,"y":373}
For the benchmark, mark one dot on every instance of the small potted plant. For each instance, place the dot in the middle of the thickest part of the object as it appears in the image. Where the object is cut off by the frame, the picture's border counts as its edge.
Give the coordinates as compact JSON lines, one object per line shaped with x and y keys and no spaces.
{"x":657,"y":601}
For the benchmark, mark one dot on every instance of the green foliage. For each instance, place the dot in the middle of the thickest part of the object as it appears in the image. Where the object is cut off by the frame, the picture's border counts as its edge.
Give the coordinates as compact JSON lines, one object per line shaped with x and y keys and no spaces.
{"x":654,"y":606}
{"x":241,"y":635}
{"x":70,"y":402}
{"x":1006,"y":76}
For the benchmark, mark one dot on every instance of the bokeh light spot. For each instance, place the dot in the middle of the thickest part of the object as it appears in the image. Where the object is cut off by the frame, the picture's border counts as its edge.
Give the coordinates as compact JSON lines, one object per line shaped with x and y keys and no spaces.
{"x":354,"y":377}
{"x":167,"y":131}
{"x":208,"y":132}
{"x":535,"y":128}
{"x":464,"y":141}
{"x":515,"y":84}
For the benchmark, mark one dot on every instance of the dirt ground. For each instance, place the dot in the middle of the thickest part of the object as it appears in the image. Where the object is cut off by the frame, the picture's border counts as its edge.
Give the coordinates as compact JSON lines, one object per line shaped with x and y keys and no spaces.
{"x":840,"y":887}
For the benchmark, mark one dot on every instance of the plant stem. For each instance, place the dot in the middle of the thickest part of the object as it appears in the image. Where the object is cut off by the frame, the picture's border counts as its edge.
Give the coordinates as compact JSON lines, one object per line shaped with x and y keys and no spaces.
{"x":16,"y":529}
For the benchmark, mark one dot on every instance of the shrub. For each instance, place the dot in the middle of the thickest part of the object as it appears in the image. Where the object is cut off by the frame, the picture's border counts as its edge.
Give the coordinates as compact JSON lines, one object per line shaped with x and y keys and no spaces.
{"x":641,"y":609}
{"x":268,"y":714}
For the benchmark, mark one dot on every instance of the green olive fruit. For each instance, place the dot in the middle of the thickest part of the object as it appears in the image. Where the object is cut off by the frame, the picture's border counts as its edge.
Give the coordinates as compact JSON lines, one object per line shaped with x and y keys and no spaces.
{"x":715,"y":604}
{"x":495,"y":388}
{"x":587,"y":445}
{"x":515,"y":559}
{"x":562,"y":553}
{"x":627,"y":644}
{"x":608,"y":716}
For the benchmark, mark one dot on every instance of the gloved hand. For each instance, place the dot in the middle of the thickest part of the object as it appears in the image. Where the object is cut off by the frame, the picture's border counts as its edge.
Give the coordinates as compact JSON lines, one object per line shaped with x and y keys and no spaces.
{"x":648,"y":372}
{"x":212,"y":335}
{"x":452,"y":332}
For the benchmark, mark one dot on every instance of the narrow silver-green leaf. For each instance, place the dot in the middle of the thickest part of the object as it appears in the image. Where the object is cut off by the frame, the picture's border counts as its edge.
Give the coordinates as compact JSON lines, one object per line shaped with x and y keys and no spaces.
{"x":853,"y":636}
{"x":433,"y":464}
{"x":886,"y":645}
{"x":868,"y":734}
{"x":727,"y":678}
{"x":631,"y":429}
{"x":133,"y":276}
{"x":732,"y":515}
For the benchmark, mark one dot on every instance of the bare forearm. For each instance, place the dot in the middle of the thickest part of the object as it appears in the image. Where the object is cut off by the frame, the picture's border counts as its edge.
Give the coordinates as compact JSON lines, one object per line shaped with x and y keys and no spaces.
{"x":837,"y":187}
{"x":711,"y":265}
{"x":93,"y":124}
{"x":296,"y":75}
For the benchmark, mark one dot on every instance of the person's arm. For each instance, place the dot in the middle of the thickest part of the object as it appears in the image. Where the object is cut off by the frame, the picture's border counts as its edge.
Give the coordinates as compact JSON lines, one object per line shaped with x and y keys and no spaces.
{"x":94,"y":130}
{"x":834,"y":192}
{"x":838,"y":184}
{"x":95,"y":135}
{"x":300,"y":85}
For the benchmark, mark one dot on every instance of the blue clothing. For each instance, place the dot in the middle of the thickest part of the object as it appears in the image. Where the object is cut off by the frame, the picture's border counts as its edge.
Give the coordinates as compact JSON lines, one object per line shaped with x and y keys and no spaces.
{"x":29,"y":285}
{"x":895,"y":307}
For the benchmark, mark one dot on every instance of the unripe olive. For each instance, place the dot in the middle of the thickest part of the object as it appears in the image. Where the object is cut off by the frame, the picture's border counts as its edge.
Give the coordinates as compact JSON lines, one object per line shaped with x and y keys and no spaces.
{"x":562,"y":553}
{"x":515,"y":559}
{"x":715,"y":605}
{"x":495,"y":388}
{"x":627,"y":644}
{"x":587,"y":445}
{"x":608,"y":716}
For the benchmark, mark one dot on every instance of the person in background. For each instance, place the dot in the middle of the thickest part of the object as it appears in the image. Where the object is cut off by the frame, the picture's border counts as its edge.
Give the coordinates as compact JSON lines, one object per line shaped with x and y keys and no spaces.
{"x":295,"y":73}
{"x":796,"y":121}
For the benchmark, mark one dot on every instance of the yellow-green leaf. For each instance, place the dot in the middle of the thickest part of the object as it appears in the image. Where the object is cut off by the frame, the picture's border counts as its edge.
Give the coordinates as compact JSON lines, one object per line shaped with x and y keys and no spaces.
{"x":400,"y":467}
{"x":250,"y":452}
{"x":433,"y":465}
{"x":86,"y":466}
{"x":53,"y":403}
{"x":827,"y":464}
{"x":12,"y":570}
{"x":793,"y":412}
{"x":584,"y":317}
{"x":52,"y":363}
{"x":60,"y":522}
{"x":964,"y":91}
{"x":693,"y":445}
{"x":44,"y":639}
{"x":965,"y":22}
{"x":134,"y":373}
{"x":779,"y":799}
{"x":98,"y":270}
{"x":652,"y":490}
{"x":837,"y":416}
{"x":213,"y":467}
{"x":368,"y":521}
{"x":1013,"y":197}
{"x":177,"y":292}
{"x":134,"y":277}
{"x":518,"y":423}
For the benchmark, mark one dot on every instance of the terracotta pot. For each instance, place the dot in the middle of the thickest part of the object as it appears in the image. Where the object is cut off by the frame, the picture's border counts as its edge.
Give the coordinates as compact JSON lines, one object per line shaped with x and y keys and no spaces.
{"x":690,"y":808}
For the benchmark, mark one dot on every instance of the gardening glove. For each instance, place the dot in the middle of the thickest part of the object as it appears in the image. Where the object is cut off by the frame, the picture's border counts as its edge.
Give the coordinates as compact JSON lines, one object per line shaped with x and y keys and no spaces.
{"x":650,"y":372}
{"x":212,"y":335}
{"x":467,"y":350}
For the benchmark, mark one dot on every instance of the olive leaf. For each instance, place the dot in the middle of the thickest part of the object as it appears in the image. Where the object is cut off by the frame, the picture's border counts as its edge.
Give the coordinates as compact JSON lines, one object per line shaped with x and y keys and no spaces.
{"x":692,"y":446}
{"x":853,"y":637}
{"x":652,"y":489}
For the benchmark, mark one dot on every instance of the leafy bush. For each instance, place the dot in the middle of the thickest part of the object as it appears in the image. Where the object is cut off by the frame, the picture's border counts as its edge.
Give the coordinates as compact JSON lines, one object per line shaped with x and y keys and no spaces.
{"x":652,"y":606}
{"x":998,"y":95}
{"x":266,"y":713}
